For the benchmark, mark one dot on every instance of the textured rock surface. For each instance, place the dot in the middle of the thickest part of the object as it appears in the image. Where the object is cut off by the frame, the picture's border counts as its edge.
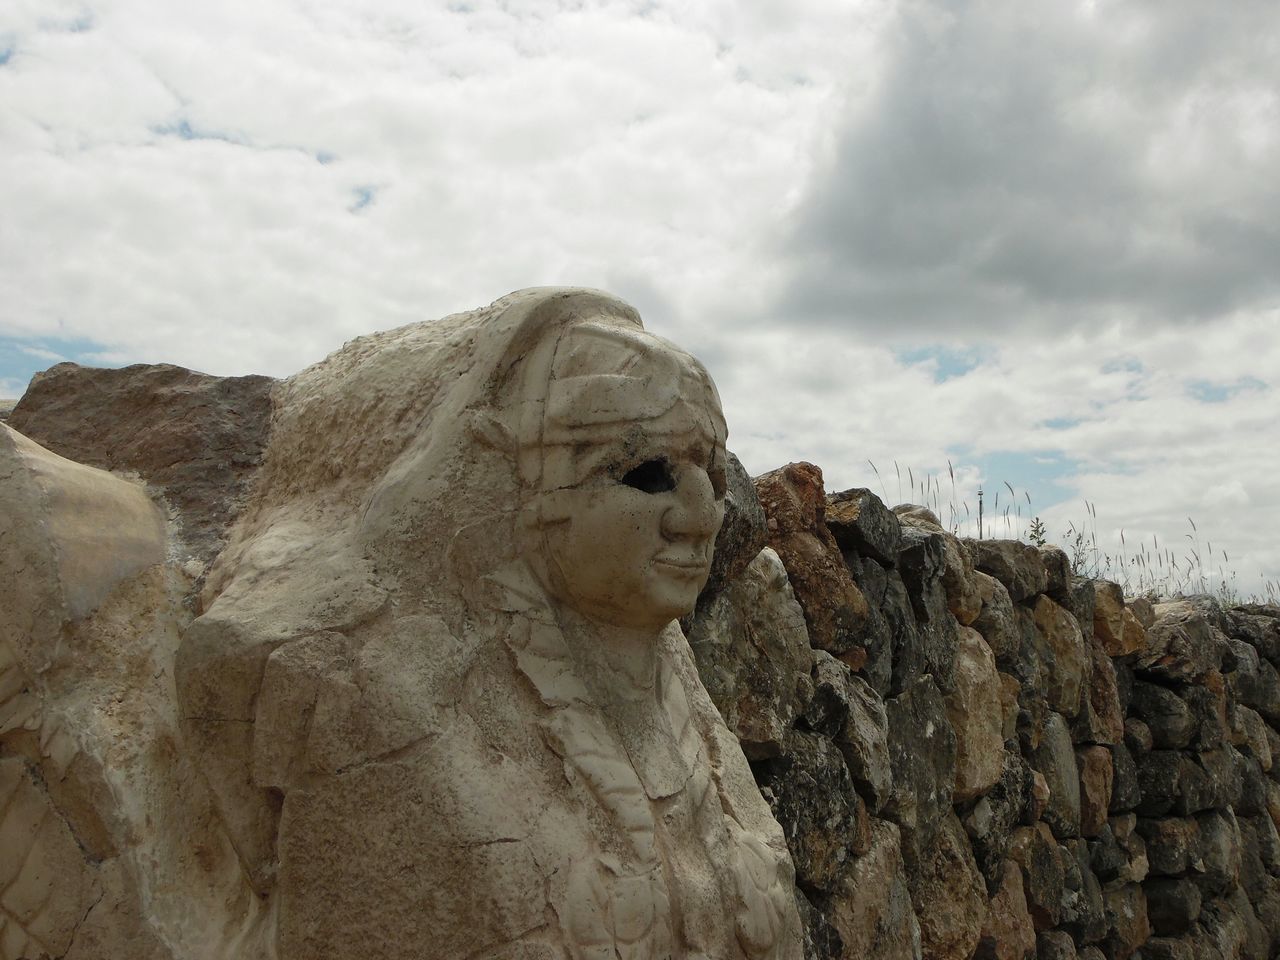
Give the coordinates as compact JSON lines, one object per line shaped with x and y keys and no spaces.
{"x":976,"y":716}
{"x":795,"y":504}
{"x":752,"y":651}
{"x":198,"y":440}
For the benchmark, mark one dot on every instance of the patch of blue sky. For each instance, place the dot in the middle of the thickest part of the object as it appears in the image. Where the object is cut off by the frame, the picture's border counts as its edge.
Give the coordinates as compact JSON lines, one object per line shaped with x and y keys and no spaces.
{"x":23,"y":357}
{"x":1123,"y":365}
{"x":1207,"y":391}
{"x":324,"y":157}
{"x":1044,"y":475}
{"x":183,"y":130}
{"x":947,"y":363}
{"x":6,"y":54}
{"x":1061,"y":423}
{"x":365,"y":195}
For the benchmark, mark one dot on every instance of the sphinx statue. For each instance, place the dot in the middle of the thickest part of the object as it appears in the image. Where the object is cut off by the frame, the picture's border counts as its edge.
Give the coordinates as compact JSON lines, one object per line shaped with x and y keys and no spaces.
{"x":438,"y":691}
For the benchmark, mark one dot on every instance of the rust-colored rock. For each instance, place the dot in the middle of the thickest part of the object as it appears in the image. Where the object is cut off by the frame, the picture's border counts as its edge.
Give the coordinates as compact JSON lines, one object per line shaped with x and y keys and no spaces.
{"x":1096,"y":776}
{"x":795,"y":504}
{"x":1108,"y":617}
{"x":949,"y":895}
{"x":195,"y":438}
{"x":1008,"y":933}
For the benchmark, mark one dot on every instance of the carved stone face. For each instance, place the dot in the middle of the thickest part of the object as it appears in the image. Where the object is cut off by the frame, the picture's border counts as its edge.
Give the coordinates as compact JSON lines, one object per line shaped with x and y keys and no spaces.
{"x":633,"y":547}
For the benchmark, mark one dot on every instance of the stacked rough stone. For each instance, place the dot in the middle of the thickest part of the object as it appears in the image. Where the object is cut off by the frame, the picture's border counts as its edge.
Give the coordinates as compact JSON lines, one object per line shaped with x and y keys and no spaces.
{"x":975,"y":754}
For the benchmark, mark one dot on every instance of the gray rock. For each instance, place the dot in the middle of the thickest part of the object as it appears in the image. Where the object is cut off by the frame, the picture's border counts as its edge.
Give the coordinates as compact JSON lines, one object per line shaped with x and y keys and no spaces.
{"x":1217,"y":861}
{"x":996,"y":621}
{"x":1055,"y":759}
{"x":922,"y":753}
{"x":990,"y":820}
{"x":1084,"y":914}
{"x":1173,"y":905}
{"x":1017,"y":565}
{"x":1057,"y":567}
{"x":1080,"y":600}
{"x":863,"y":525}
{"x":823,"y":818}
{"x":1259,"y":625}
{"x":752,"y":651}
{"x":1182,"y":644}
{"x":846,"y":709}
{"x":1126,"y":790}
{"x":1166,"y":715}
{"x":1055,"y":945}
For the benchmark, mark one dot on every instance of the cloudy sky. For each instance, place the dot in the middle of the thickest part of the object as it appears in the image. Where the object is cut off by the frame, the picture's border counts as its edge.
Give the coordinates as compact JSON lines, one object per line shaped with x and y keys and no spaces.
{"x":1036,"y":240}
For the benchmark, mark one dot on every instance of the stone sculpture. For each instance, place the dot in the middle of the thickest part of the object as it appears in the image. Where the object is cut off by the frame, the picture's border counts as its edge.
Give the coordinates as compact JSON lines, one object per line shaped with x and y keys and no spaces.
{"x":436,"y":690}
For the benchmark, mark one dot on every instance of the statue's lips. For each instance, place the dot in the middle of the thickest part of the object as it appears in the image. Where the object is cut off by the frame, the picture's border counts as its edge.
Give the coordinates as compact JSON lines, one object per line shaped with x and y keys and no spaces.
{"x":683,"y":566}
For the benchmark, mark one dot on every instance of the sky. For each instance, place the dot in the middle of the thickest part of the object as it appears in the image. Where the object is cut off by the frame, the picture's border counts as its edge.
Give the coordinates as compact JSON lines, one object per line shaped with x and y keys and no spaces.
{"x":1031,"y":246}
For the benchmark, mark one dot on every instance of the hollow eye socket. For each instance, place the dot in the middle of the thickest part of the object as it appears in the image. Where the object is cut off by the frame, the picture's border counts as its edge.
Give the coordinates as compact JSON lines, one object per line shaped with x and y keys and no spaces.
{"x":652,"y":476}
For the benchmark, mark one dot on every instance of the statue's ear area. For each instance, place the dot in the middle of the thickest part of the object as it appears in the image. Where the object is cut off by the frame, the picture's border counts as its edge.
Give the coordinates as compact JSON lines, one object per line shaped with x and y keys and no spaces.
{"x":488,"y":430}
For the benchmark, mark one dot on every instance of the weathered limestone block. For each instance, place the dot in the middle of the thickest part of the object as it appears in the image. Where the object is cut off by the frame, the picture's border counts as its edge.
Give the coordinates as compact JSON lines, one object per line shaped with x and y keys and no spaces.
{"x":195,"y":438}
{"x":1209,"y":704}
{"x":752,"y":650}
{"x":1055,"y":758}
{"x":99,"y":812}
{"x":1100,"y":719}
{"x":1007,"y":933}
{"x":1097,"y":774}
{"x":1173,"y":905}
{"x":1083,"y":911}
{"x":1181,"y":645}
{"x":974,"y":709}
{"x":845,"y":708}
{"x":1036,"y":851}
{"x":990,"y":821}
{"x":1070,"y":674}
{"x":1017,"y":565}
{"x":1057,"y":567}
{"x":1216,"y":864}
{"x":1119,"y":853}
{"x":1108,"y":618}
{"x":996,"y":621}
{"x":959,"y":583}
{"x":1126,"y":788}
{"x":1172,"y":844}
{"x":872,"y":911}
{"x":863,"y":525}
{"x":922,"y":753}
{"x":1251,"y":735}
{"x":949,"y":895}
{"x":1166,"y":715}
{"x":1055,"y":945}
{"x":888,"y":615}
{"x":922,"y":562}
{"x":1259,"y":624}
{"x":1128,"y":925}
{"x":1256,"y":682}
{"x":823,"y":818}
{"x":795,"y":505}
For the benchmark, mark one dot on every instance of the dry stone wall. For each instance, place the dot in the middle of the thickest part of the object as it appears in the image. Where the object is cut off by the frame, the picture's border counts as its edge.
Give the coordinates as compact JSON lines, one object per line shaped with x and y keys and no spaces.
{"x":975,"y":754}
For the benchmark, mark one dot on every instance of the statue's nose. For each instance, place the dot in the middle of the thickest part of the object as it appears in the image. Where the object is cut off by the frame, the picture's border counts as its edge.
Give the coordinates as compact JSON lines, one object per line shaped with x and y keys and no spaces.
{"x":696,"y":513}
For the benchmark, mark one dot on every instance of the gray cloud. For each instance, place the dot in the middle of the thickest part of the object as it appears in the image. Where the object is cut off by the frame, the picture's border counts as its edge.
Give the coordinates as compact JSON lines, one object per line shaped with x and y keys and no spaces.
{"x":1038,"y":165}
